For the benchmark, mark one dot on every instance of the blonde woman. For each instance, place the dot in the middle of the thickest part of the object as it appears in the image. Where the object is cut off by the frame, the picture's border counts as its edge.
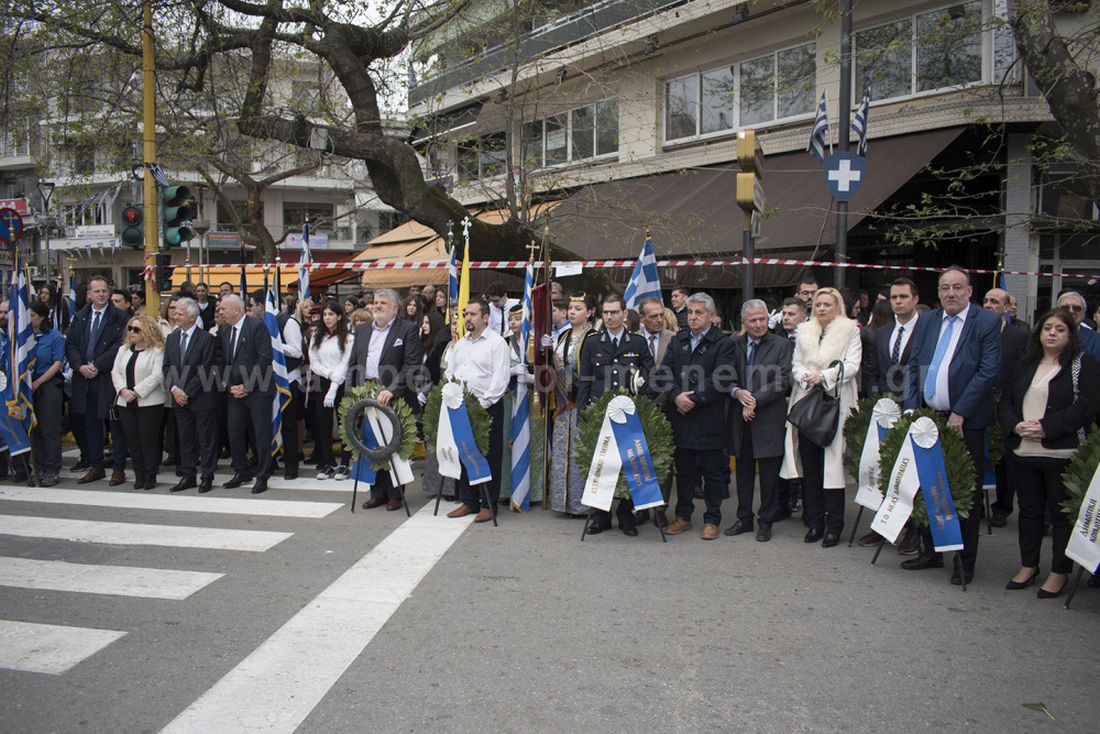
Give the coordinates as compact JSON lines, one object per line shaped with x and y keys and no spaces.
{"x":138,"y":378}
{"x":829,"y":336}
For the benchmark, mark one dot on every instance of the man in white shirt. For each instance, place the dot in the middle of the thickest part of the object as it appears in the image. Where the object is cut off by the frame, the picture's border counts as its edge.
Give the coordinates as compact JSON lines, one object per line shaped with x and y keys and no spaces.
{"x":499,"y":306}
{"x":481,"y":360}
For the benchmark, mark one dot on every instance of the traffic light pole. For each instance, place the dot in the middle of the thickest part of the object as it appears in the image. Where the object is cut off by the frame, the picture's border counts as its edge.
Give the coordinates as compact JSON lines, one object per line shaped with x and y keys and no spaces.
{"x":149,"y":156}
{"x":844,"y":124}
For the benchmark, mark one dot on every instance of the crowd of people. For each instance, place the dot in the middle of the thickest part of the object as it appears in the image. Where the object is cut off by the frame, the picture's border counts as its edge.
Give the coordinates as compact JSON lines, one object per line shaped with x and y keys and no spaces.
{"x":194,"y":383}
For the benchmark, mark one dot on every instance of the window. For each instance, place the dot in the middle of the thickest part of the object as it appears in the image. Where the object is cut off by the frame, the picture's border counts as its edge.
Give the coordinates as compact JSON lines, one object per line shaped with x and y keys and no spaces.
{"x":225,"y":217}
{"x":929,"y":51}
{"x":752,"y":92}
{"x":482,"y":157}
{"x":582,"y":134}
{"x":320,"y":215}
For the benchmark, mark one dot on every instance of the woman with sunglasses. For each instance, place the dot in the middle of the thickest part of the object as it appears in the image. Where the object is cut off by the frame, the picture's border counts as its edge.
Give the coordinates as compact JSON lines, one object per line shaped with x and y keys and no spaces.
{"x":138,"y":377}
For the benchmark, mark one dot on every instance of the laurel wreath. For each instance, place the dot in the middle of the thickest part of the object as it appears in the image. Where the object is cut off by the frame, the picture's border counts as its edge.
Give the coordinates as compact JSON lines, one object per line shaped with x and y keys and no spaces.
{"x":655,"y":427}
{"x":480,"y":420}
{"x":370,"y":390}
{"x":855,"y":432}
{"x":960,"y":467}
{"x":1078,"y":475}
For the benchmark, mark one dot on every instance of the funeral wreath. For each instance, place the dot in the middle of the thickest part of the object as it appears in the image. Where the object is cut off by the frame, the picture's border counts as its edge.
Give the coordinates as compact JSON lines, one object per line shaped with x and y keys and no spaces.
{"x":352,"y":412}
{"x":479,"y":418}
{"x":655,"y":426}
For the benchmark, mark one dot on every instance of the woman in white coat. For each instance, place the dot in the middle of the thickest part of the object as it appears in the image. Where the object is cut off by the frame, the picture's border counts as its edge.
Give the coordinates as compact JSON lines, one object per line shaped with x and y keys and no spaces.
{"x":138,"y":377}
{"x":829,"y":336}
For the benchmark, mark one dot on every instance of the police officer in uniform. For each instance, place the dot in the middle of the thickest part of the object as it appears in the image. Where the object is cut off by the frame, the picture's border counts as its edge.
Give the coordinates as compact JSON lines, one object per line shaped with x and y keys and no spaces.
{"x":613,"y":359}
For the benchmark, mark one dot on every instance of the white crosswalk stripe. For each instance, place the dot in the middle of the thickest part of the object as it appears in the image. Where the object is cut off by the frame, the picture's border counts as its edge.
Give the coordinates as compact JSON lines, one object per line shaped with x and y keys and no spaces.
{"x":150,"y":583}
{"x":125,"y":533}
{"x":178,"y":503}
{"x":49,"y":648}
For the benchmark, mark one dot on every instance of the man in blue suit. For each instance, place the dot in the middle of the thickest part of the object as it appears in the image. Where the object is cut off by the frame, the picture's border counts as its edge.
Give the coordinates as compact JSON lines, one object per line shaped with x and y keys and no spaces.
{"x":954,"y":367}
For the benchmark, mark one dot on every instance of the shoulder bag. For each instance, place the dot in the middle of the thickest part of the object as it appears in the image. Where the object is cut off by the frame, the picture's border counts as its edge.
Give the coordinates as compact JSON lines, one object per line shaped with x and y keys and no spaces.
{"x":817,"y":414}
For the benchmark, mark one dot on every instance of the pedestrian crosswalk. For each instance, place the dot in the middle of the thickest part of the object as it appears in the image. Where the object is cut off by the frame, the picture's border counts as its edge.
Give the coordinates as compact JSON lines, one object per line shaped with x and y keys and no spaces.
{"x":53,"y":515}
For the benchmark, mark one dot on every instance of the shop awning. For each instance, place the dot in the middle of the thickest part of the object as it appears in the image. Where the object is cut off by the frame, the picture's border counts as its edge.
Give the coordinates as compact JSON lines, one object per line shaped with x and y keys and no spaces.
{"x":213,"y":275}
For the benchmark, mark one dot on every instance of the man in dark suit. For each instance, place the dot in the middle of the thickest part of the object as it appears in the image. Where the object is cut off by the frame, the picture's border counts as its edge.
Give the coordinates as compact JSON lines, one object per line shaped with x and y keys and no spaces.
{"x":657,"y":338}
{"x":91,"y":344}
{"x":893,"y":346}
{"x":612,"y":359}
{"x":192,"y":362}
{"x":696,"y":407}
{"x":954,"y":368}
{"x":250,"y":384}
{"x":386,"y":351}
{"x":758,"y":416}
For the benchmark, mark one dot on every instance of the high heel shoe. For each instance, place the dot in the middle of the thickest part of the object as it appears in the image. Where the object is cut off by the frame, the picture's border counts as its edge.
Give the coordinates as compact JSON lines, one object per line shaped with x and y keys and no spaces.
{"x":1013,"y":585}
{"x":1042,"y":593}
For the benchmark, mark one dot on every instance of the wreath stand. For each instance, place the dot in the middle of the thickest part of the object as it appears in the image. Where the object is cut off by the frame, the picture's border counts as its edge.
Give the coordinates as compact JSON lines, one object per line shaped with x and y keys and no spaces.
{"x":1076,"y":582}
{"x":852,"y":537}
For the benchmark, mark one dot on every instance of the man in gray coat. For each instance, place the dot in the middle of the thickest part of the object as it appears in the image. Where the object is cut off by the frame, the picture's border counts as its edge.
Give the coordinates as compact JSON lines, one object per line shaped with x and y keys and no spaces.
{"x":758,"y":416}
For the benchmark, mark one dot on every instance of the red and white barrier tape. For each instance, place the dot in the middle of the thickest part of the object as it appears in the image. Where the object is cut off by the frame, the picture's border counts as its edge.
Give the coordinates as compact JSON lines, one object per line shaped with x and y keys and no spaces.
{"x":519,"y":264}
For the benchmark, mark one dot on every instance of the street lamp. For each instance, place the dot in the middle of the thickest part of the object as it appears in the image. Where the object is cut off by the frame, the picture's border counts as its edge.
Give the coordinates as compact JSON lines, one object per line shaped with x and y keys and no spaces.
{"x":45,"y":190}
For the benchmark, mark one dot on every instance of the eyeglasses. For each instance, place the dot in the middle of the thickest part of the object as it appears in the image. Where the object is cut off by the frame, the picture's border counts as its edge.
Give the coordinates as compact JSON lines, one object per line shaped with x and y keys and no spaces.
{"x":134,"y":329}
{"x":1074,"y":309}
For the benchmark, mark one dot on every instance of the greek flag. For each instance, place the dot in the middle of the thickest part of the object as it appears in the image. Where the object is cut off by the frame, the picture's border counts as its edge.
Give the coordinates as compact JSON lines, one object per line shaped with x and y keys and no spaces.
{"x":19,"y":418}
{"x":158,"y":174}
{"x":644,"y":281}
{"x":820,"y":130}
{"x":278,"y":368}
{"x":72,"y":295}
{"x":859,"y":123}
{"x":521,"y":412}
{"x":303,"y":265}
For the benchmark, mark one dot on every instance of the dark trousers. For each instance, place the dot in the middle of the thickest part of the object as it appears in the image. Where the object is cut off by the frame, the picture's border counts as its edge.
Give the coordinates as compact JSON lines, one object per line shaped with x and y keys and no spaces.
{"x":974,"y":438}
{"x":323,"y":422}
{"x":1041,"y":490}
{"x":245,"y":414}
{"x":80,"y":432}
{"x":1005,"y":489}
{"x":746,"y":479}
{"x":142,"y":427}
{"x":709,"y":468}
{"x":290,"y":427}
{"x":197,"y":441}
{"x":93,"y":429}
{"x":46,"y":437}
{"x":822,"y":508}
{"x":624,"y":511}
{"x":169,"y":432}
{"x":119,"y":445}
{"x":471,"y":495}
{"x":383,"y":487}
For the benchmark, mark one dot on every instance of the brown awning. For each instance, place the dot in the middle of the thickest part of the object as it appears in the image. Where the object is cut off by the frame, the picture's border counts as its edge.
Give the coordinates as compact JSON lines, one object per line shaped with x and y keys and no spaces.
{"x":693,"y":213}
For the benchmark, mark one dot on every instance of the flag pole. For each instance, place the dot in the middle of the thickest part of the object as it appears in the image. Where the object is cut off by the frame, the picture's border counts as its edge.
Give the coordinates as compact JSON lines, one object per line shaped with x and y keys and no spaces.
{"x":547,"y":361}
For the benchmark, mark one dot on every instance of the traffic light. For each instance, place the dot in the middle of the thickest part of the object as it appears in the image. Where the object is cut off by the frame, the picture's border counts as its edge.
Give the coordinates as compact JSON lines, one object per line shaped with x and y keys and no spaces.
{"x":133,"y":226}
{"x":176,"y":214}
{"x":164,"y":272}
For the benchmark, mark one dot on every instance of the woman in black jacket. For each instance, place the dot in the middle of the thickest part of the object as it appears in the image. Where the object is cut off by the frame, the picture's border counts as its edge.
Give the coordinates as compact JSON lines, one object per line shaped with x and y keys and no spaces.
{"x":1045,"y":409}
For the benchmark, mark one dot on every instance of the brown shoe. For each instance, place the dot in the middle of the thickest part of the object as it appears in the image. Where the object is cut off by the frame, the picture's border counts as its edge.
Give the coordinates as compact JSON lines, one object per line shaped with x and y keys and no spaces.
{"x":393,"y":505}
{"x":372,"y":503}
{"x":679,"y":525}
{"x":710,"y":532}
{"x":117,"y":478}
{"x":460,"y":511}
{"x":485,"y":515}
{"x":870,"y":539}
{"x":93,"y":475}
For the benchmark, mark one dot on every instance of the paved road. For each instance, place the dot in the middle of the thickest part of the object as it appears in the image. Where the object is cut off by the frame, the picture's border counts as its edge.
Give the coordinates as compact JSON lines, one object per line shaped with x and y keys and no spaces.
{"x":124,"y":611}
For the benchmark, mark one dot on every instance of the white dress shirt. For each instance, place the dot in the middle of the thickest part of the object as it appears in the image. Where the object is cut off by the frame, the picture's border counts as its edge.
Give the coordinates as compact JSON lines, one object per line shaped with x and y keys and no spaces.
{"x":328,"y":361}
{"x":483,"y":364}
{"x":905,"y":335}
{"x":498,"y":317}
{"x":374,"y":348}
{"x":942,"y":399}
{"x":292,"y":347}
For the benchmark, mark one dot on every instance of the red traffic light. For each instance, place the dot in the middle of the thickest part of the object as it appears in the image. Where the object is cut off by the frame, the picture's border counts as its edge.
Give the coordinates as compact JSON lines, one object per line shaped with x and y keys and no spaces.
{"x":131,"y":215}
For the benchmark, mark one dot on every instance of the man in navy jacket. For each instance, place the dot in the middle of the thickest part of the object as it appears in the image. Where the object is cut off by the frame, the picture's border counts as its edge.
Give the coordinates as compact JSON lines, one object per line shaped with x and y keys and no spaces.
{"x":954,"y":367}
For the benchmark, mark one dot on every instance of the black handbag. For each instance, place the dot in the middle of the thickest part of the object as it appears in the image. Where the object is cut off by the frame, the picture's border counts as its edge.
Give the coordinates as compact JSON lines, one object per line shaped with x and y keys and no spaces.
{"x":817,"y":414}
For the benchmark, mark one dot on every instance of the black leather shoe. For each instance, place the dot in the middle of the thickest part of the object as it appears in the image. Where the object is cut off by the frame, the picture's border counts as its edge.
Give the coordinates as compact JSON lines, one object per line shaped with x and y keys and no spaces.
{"x":957,"y":580}
{"x":150,"y":483}
{"x":80,"y":466}
{"x":260,"y":486}
{"x":920,"y":563}
{"x":1093,"y":582}
{"x":812,"y":536}
{"x":236,"y":480}
{"x":764,"y":532}
{"x":596,"y":528}
{"x":205,"y":486}
{"x":185,"y":483}
{"x":630,"y":531}
{"x":738,"y":528}
{"x":831,"y":539}
{"x":998,"y":520}
{"x":1017,"y":585}
{"x":290,"y":474}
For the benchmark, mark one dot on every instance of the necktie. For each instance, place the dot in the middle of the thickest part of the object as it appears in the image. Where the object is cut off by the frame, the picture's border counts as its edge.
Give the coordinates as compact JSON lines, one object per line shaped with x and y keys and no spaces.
{"x":233,"y":343}
{"x":93,"y":337}
{"x":937,"y":358}
{"x":653,"y":345}
{"x":183,"y":345}
{"x":895,"y":354}
{"x":751,"y":356}
{"x":615,"y":342}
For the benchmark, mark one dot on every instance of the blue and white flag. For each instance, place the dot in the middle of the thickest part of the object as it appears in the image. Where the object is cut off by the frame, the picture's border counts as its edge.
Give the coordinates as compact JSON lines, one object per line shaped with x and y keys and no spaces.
{"x":1084,"y":541}
{"x":819,"y":131}
{"x":452,"y":285}
{"x":883,"y":417}
{"x":859,"y":123}
{"x":278,"y":368}
{"x":19,"y":418}
{"x":158,"y":174}
{"x":644,"y":281}
{"x":304,"y":261}
{"x":399,"y":468}
{"x":455,"y":444}
{"x":622,"y":449}
{"x":521,"y":411}
{"x":72,"y":295}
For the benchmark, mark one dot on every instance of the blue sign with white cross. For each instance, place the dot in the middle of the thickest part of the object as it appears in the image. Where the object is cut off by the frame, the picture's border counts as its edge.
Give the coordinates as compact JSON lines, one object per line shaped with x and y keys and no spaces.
{"x":844,"y":172}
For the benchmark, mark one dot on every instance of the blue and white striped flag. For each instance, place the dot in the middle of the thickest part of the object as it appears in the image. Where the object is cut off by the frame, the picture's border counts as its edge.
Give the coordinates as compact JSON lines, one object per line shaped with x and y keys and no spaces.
{"x":859,"y":123}
{"x":521,"y":412}
{"x":820,"y":130}
{"x":18,"y":419}
{"x":303,"y":265}
{"x":72,"y":295}
{"x":644,"y":280}
{"x":158,"y":174}
{"x":278,"y":369}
